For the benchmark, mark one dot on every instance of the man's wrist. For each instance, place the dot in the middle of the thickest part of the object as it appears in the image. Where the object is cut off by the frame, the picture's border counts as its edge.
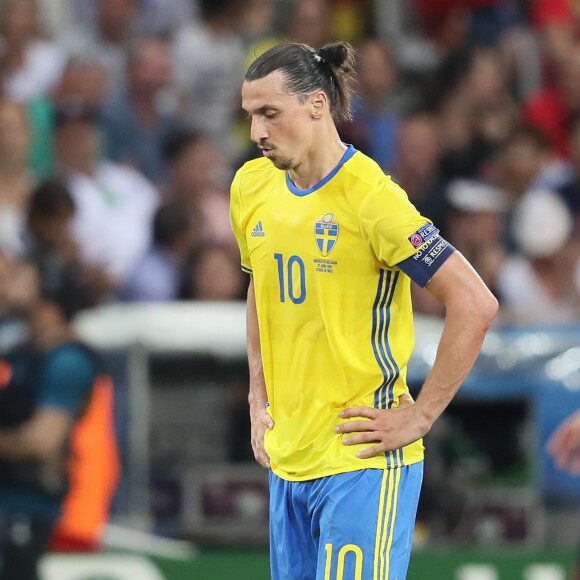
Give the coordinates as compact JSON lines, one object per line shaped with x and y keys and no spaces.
{"x":427,"y":414}
{"x":257,"y":401}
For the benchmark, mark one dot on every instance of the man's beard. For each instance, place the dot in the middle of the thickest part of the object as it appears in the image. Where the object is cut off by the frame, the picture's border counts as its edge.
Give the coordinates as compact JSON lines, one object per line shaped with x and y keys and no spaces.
{"x":282,"y":163}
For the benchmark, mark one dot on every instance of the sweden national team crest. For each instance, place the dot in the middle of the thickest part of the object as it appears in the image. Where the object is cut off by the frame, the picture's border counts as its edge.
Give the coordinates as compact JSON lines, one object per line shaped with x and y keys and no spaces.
{"x":326,"y":233}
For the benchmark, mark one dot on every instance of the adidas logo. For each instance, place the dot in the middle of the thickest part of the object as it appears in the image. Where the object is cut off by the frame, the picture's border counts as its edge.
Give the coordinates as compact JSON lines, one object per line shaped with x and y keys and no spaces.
{"x":258,"y":231}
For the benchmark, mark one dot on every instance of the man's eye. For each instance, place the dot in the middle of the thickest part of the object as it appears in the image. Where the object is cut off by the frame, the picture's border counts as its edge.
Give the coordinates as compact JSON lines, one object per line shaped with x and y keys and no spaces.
{"x":270,"y":114}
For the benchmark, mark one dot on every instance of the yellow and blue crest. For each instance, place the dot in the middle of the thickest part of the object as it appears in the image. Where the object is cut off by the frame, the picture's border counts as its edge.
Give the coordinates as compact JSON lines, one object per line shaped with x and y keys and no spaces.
{"x":326,"y":233}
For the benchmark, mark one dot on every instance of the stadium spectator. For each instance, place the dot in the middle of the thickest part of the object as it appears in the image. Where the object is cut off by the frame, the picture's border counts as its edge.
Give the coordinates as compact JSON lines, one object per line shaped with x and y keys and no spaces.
{"x":523,"y":164}
{"x":374,"y":128}
{"x":473,"y":224}
{"x":161,"y":17}
{"x":310,"y":22}
{"x":15,"y":178}
{"x":50,"y":379}
{"x":114,"y":203}
{"x":51,"y":249}
{"x":159,"y":274}
{"x":18,"y":287}
{"x":570,"y":188}
{"x":108,"y":37}
{"x":198,"y":179}
{"x":83,"y":80}
{"x":417,"y":167}
{"x":32,"y":64}
{"x":214,"y":274}
{"x":136,"y":121}
{"x":557,"y":23}
{"x":545,"y":265}
{"x":47,"y":385}
{"x":208,"y":68}
{"x":554,"y":106}
{"x":477,"y":116}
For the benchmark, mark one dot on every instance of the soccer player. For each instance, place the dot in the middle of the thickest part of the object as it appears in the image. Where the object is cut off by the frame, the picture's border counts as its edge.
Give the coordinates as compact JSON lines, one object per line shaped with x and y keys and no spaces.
{"x":332,"y":245}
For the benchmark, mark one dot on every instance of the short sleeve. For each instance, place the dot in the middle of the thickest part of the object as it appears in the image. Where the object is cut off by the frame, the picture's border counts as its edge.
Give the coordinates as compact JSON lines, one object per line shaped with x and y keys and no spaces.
{"x":236,"y":221}
{"x":400,"y":236}
{"x":391,"y":226}
{"x":67,"y":379}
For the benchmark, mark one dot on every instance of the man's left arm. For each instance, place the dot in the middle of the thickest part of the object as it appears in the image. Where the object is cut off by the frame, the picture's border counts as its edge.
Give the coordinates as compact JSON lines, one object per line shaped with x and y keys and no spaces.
{"x":40,"y":438}
{"x":65,"y":384}
{"x":469,"y":310}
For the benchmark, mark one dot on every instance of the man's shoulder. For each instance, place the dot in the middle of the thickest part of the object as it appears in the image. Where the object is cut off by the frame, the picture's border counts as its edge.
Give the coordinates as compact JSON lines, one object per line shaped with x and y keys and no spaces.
{"x":365,"y":170}
{"x":364,"y":176}
{"x":258,"y":164}
{"x":256,"y":170}
{"x":74,"y":352}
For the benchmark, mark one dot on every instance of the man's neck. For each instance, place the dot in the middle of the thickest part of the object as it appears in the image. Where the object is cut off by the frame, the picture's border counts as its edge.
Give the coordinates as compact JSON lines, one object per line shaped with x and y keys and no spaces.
{"x":318,"y":164}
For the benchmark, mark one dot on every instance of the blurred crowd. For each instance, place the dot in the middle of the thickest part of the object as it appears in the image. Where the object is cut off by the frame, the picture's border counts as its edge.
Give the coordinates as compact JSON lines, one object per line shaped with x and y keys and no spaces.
{"x":121,"y":128}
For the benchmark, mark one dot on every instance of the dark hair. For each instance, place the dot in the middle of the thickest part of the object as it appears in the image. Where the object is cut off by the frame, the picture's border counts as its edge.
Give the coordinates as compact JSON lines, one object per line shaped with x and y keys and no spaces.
{"x":177,"y":143}
{"x":75,"y":110}
{"x":49,"y":198}
{"x":330,"y":68}
{"x":529,"y":134}
{"x":171,"y":221}
{"x":209,"y":8}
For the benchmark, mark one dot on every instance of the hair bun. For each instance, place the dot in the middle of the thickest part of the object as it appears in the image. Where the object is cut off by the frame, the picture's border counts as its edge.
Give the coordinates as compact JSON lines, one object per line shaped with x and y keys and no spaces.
{"x":334,"y":53}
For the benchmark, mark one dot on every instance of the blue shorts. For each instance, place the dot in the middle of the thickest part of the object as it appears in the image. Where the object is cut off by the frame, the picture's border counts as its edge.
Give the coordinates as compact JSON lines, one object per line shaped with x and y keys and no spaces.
{"x":350,"y":526}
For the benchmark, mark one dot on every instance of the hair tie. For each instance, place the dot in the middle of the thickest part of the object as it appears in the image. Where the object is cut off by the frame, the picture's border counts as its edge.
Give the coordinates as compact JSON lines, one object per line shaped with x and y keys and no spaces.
{"x":317,"y":57}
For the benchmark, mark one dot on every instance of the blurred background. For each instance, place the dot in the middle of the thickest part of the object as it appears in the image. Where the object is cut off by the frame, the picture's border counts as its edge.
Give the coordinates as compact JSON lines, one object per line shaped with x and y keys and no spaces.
{"x":120,"y":131}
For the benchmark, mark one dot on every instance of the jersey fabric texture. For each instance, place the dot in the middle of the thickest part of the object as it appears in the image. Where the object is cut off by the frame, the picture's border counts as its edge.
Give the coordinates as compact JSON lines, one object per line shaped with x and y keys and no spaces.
{"x":352,"y":525}
{"x":334,"y":307}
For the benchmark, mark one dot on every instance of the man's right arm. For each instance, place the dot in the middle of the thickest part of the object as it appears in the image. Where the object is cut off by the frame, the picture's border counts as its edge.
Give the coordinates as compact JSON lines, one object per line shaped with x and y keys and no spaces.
{"x":258,"y":398}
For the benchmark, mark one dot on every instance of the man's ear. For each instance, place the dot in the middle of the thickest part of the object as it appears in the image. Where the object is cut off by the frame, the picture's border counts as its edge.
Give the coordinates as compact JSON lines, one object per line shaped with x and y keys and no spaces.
{"x":319,"y":104}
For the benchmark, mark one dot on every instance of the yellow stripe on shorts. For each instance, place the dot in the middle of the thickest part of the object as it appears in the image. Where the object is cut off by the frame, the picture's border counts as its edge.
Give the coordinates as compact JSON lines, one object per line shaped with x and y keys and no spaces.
{"x":386,"y":520}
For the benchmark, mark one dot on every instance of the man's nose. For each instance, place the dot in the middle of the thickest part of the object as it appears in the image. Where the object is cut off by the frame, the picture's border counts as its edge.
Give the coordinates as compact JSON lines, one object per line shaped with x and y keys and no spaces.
{"x":258,"y":130}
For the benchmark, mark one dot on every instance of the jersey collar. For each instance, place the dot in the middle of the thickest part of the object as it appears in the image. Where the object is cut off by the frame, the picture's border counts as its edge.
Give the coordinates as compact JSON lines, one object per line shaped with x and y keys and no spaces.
{"x":350,"y":151}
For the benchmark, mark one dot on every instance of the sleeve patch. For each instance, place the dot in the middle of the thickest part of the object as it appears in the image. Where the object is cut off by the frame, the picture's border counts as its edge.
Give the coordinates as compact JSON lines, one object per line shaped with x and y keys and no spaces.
{"x":422,"y":235}
{"x":422,"y":265}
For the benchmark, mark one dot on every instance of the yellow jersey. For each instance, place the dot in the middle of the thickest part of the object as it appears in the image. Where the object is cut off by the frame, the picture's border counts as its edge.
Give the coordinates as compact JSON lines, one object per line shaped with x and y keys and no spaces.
{"x":334,"y":309}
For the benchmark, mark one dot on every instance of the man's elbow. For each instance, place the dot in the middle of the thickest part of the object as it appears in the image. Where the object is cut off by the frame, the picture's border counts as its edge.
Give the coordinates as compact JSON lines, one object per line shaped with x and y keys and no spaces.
{"x":484,"y":309}
{"x":490,"y":310}
{"x":478,"y":309}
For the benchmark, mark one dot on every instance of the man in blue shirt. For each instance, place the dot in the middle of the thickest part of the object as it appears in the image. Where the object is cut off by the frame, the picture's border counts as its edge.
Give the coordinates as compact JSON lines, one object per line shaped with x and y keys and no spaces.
{"x":45,"y":384}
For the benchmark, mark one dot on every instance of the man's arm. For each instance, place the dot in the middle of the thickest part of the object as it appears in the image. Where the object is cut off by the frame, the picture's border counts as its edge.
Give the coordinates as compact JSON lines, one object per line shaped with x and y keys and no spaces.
{"x":564,"y":444}
{"x":41,"y":438}
{"x":258,"y":399}
{"x":470,"y":308}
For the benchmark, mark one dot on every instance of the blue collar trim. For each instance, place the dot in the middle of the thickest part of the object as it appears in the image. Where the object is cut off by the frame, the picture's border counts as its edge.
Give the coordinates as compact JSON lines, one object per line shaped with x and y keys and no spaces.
{"x":302,"y":192}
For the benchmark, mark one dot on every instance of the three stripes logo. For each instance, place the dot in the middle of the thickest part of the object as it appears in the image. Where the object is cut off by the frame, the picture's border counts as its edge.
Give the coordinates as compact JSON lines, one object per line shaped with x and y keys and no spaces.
{"x":258,"y":231}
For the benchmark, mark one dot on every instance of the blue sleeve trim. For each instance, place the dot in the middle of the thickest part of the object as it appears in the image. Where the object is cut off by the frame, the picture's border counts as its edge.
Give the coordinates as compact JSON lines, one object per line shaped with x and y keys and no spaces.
{"x":422,"y":265}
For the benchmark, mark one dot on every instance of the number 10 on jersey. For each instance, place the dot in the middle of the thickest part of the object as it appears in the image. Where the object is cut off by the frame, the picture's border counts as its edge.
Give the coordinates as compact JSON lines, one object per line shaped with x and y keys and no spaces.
{"x":291,"y":278}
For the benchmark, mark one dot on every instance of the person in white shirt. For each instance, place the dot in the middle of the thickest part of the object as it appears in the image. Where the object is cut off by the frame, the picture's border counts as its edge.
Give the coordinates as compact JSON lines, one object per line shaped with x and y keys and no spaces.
{"x":33,"y":64}
{"x":115,"y":204}
{"x":540,"y":283}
